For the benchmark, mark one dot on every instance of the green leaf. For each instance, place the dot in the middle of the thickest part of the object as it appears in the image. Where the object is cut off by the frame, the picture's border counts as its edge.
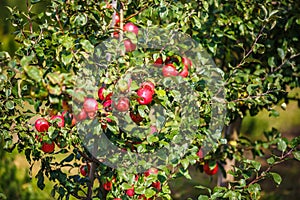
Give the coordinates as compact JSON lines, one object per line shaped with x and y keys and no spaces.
{"x":270,"y":160}
{"x":281,"y":53}
{"x":296,"y":155}
{"x":203,"y":197}
{"x":126,"y":186}
{"x":150,"y":192}
{"x":66,"y":59}
{"x":34,"y":72}
{"x":87,"y":46}
{"x":34,"y":1}
{"x":281,"y":145}
{"x":276,"y":177}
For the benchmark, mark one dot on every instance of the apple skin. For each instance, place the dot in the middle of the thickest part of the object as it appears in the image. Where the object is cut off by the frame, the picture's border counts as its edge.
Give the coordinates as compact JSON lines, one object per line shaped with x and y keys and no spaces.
{"x":148,"y":85}
{"x":145,"y":95}
{"x":136,"y":117}
{"x":130,"y":27}
{"x":90,"y":105}
{"x":107,"y":105}
{"x":60,"y":120}
{"x":129,"y":46}
{"x":117,"y":19}
{"x":107,"y":185}
{"x":42,"y":125}
{"x":169,"y":70}
{"x":123,"y":104}
{"x":156,"y":185}
{"x":101,"y":94}
{"x":85,"y":169}
{"x":130,"y":192}
{"x":209,"y":171}
{"x":81,"y":116}
{"x":158,"y":62}
{"x":186,"y":61}
{"x":48,"y":148}
{"x":200,"y":154}
{"x":150,"y":171}
{"x":185,"y":72}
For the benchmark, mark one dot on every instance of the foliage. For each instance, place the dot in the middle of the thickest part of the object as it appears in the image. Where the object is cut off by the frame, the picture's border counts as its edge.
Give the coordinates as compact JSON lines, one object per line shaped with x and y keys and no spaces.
{"x":254,"y":43}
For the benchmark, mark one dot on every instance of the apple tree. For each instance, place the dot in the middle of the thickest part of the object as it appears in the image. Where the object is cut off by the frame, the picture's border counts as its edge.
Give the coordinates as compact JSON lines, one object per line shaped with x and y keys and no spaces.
{"x":117,"y":98}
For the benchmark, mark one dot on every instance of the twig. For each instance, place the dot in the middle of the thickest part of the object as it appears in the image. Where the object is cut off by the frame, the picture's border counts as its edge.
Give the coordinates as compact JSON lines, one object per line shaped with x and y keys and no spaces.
{"x":264,"y":173}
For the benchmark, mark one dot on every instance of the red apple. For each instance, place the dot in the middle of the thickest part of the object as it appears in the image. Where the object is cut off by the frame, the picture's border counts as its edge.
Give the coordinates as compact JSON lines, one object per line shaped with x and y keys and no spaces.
{"x":81,"y":116}
{"x":210,"y":170}
{"x":107,"y":185}
{"x":129,"y":46}
{"x":186,"y":61}
{"x":123,"y":104}
{"x":117,"y":199}
{"x":148,"y":85}
{"x":200,"y":154}
{"x":117,"y":18}
{"x":158,"y":62}
{"x":85,"y":169}
{"x":169,"y":70}
{"x":156,"y":185}
{"x":150,"y":171}
{"x":41,"y":125}
{"x":59,"y":120}
{"x":90,"y":105}
{"x":130,"y":192}
{"x":101,"y":94}
{"x":185,"y":72}
{"x":130,"y":27}
{"x":136,"y":117}
{"x":107,"y":105}
{"x":48,"y":147}
{"x":145,"y":95}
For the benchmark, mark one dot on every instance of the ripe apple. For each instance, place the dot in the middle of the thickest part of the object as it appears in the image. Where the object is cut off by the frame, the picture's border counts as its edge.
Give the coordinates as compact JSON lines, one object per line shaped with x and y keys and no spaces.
{"x":136,"y":117}
{"x":200,"y":154}
{"x":158,"y":62}
{"x":185,"y":72}
{"x":156,"y":185}
{"x":59,"y":120}
{"x":186,"y":61}
{"x":107,"y":105}
{"x":81,"y":116}
{"x":150,"y":171}
{"x":117,"y":18}
{"x":90,"y":105}
{"x":85,"y":169}
{"x":130,"y":192}
{"x":101,"y":94}
{"x":107,"y":185}
{"x":41,"y":125}
{"x":145,"y":95}
{"x":129,"y":46}
{"x":148,"y":85}
{"x":48,"y":147}
{"x":130,"y":27}
{"x":117,"y":199}
{"x":169,"y":70}
{"x":210,"y":170}
{"x":123,"y":104}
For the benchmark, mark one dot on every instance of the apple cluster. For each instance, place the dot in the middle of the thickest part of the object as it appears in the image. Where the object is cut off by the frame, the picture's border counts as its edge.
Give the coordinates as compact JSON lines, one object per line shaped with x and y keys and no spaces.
{"x":169,"y":66}
{"x":128,"y":27}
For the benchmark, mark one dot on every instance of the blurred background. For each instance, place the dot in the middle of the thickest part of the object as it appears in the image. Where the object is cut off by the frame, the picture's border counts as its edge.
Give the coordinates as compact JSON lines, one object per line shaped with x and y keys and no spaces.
{"x":16,"y":181}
